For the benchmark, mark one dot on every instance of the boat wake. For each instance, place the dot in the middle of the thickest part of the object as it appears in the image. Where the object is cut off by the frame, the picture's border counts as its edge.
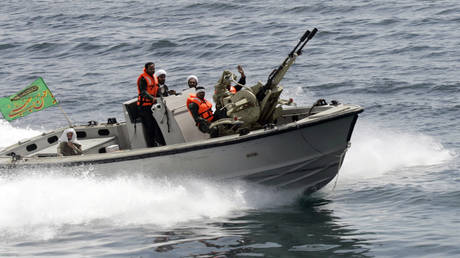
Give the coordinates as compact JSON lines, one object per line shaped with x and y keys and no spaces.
{"x":41,"y":205}
{"x":10,"y":135}
{"x":375,"y":151}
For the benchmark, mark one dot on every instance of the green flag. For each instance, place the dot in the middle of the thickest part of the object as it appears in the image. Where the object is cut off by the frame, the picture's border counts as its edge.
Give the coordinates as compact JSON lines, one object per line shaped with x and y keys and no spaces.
{"x":34,"y":98}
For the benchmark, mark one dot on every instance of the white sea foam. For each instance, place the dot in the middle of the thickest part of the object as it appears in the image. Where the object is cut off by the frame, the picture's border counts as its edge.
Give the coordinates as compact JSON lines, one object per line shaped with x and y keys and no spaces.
{"x":375,"y":151}
{"x":38,"y":206}
{"x":10,"y":134}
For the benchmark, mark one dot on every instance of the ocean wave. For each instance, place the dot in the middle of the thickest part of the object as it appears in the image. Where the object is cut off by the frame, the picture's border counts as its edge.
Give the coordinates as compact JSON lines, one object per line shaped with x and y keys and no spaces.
{"x":384,"y":193}
{"x":407,"y":193}
{"x":92,"y":74}
{"x":404,"y":194}
{"x":221,"y":6}
{"x":430,"y":21}
{"x":456,"y":107}
{"x":455,"y":20}
{"x":412,"y":49}
{"x":324,"y":8}
{"x":356,"y":36}
{"x":447,"y":88}
{"x":46,"y":47}
{"x":385,"y":22}
{"x":299,"y":9}
{"x":118,"y":48}
{"x":381,"y":86}
{"x":7,"y":46}
{"x":449,"y":10}
{"x":332,"y":86}
{"x":192,"y":38}
{"x":164,"y":43}
{"x":435,"y":54}
{"x":86,"y":46}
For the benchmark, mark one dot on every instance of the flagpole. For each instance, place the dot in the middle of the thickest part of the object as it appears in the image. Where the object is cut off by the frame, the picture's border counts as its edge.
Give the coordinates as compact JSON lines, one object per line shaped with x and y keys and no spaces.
{"x":66,"y":117}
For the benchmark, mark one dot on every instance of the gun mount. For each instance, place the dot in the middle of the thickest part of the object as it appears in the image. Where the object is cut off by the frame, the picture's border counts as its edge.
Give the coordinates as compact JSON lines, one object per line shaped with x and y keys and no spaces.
{"x":255,"y":106}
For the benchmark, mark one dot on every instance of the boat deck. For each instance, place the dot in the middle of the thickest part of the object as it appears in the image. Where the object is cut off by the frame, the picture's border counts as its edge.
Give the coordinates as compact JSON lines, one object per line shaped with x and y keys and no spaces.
{"x":87,"y":146}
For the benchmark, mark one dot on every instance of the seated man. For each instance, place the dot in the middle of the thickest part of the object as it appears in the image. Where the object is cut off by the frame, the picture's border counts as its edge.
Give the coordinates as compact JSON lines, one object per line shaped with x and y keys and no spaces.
{"x":68,"y":144}
{"x":224,"y":89}
{"x":192,"y":81}
{"x":242,"y":81}
{"x":201,"y":110}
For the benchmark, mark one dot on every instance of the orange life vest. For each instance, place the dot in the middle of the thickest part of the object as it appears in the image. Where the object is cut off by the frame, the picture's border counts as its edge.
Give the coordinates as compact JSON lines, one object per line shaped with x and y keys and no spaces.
{"x":204,"y":107}
{"x":152,"y":88}
{"x":232,"y":90}
{"x":190,"y":97}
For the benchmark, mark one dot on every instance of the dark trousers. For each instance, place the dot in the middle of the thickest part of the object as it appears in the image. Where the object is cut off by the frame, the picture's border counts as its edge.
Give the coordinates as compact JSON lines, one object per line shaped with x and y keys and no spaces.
{"x":152,"y":132}
{"x":219,"y":114}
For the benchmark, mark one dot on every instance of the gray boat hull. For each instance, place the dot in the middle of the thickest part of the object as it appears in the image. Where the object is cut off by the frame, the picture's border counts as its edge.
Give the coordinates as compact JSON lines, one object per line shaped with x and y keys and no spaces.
{"x":305,"y":154}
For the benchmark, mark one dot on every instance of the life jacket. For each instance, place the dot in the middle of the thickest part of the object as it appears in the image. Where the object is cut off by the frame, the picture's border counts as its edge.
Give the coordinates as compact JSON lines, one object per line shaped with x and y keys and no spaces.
{"x":152,"y":88}
{"x":204,"y":107}
{"x":190,"y":97}
{"x":232,"y":90}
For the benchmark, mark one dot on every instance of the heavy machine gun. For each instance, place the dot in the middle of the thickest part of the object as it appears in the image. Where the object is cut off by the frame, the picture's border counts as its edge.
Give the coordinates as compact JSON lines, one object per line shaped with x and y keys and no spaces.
{"x":254,"y":107}
{"x":278,"y":74}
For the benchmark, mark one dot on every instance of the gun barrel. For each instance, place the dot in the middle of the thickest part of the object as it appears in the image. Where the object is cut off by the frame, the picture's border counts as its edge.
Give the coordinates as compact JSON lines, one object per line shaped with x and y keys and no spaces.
{"x":310,"y":36}
{"x":302,"y":39}
{"x":278,"y":74}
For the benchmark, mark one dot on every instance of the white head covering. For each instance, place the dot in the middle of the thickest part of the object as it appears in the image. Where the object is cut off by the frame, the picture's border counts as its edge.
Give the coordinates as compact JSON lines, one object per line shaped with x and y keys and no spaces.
{"x":160,"y":72}
{"x":199,"y":89}
{"x":192,"y":77}
{"x":63,"y":137}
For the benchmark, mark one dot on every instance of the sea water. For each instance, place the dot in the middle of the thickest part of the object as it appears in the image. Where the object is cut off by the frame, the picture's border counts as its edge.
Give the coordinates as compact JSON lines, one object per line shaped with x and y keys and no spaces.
{"x":397,"y":194}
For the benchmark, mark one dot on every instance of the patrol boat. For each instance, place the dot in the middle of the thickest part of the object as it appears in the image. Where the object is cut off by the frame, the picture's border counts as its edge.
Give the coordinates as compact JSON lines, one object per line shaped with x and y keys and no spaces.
{"x":265,"y":139}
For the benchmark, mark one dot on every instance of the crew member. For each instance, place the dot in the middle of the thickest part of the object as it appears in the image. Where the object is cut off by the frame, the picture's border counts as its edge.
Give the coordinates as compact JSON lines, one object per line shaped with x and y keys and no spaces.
{"x":68,"y":144}
{"x":241,"y":81}
{"x":192,"y":81}
{"x":201,"y":110}
{"x":164,"y":90}
{"x":147,"y":87}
